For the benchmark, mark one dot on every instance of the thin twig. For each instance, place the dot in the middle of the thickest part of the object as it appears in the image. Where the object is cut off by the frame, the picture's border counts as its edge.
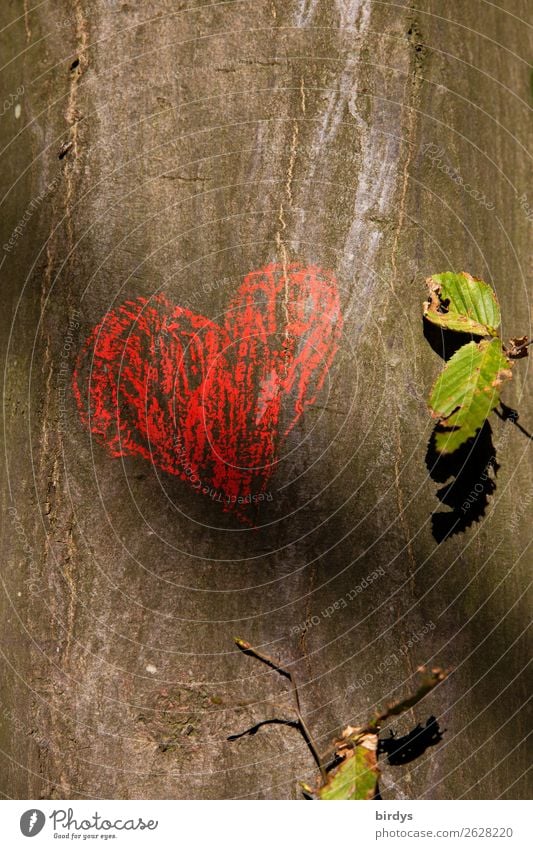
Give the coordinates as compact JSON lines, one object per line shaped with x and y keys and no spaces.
{"x":436,"y":676}
{"x":249,"y":649}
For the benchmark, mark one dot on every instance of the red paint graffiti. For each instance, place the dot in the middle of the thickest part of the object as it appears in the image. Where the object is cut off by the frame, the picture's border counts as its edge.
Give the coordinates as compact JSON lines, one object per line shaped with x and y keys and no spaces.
{"x":212,"y":403}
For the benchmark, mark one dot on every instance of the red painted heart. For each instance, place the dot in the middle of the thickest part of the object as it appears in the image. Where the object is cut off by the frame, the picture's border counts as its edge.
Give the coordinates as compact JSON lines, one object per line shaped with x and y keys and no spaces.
{"x":212,"y":403}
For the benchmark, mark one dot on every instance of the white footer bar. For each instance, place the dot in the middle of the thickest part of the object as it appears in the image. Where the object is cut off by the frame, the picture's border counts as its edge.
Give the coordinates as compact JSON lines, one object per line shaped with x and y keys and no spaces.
{"x":266,"y":824}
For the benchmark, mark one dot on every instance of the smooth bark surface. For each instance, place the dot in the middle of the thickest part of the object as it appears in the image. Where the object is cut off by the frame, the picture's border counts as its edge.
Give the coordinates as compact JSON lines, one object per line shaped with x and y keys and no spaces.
{"x":166,"y":146}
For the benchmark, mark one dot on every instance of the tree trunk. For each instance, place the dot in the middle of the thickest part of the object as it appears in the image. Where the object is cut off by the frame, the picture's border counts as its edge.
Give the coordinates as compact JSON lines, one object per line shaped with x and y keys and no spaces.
{"x":176,"y":147}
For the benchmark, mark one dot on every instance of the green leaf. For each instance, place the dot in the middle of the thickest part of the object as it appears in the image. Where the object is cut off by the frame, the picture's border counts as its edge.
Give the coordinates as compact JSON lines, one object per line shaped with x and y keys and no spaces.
{"x":463,"y":303}
{"x":467,"y":390}
{"x":357,"y":776}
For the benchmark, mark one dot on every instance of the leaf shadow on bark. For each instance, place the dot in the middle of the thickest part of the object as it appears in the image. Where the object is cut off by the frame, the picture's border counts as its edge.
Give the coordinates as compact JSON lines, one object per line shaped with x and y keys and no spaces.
{"x":468,"y":476}
{"x":409,"y":747}
{"x":446,"y":342}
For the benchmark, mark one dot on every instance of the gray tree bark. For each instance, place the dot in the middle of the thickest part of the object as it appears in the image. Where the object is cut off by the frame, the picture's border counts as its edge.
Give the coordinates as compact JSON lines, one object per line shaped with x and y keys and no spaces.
{"x":181,"y":146}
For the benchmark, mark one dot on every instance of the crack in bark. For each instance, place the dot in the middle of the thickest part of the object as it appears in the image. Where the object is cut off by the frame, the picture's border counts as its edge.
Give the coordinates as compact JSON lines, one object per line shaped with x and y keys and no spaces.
{"x":73,"y":115}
